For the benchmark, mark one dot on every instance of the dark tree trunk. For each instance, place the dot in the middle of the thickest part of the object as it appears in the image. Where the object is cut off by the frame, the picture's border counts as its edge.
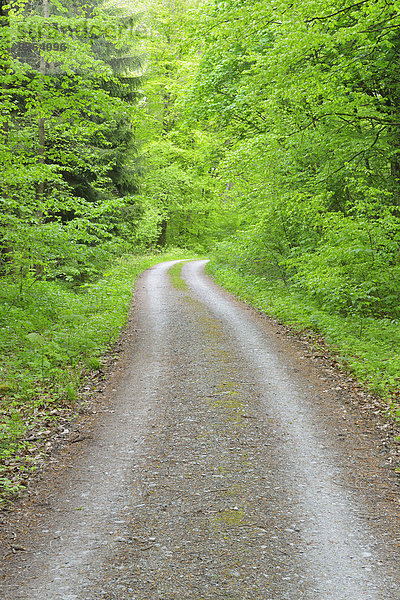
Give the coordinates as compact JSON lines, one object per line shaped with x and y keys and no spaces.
{"x":4,"y":53}
{"x":162,"y":238}
{"x":5,"y":250}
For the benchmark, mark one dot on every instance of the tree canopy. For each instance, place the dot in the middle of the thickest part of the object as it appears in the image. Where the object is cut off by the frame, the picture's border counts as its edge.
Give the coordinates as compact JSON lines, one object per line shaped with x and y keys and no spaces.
{"x":307,"y":96}
{"x":270,"y":127}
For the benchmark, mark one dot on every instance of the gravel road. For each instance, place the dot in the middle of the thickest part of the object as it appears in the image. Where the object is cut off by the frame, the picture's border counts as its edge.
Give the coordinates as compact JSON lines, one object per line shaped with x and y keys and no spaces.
{"x":222,"y":463}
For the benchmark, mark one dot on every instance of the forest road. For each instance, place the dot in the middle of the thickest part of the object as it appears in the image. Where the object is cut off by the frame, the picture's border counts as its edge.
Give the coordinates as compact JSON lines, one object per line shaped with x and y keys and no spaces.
{"x":222,"y":466}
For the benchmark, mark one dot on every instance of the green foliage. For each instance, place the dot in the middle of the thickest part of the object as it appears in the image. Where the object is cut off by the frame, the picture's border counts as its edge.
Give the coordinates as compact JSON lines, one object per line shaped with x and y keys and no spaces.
{"x":304,"y":102}
{"x":51,"y":335}
{"x":72,"y":204}
{"x":67,"y":142}
{"x":307,"y":97}
{"x":177,"y":186}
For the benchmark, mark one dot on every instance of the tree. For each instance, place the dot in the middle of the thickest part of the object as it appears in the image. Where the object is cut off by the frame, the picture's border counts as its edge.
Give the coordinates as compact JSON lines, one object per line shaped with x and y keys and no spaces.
{"x":177,"y":158}
{"x":307,"y":99}
{"x":69,"y":138}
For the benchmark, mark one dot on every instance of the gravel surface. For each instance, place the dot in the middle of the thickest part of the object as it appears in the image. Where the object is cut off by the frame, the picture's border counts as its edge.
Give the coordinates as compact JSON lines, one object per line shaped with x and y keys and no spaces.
{"x":222,"y":463}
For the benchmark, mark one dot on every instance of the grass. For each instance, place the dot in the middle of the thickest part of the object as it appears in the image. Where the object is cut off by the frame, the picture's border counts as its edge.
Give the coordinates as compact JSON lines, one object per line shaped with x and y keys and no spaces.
{"x":176,"y":278}
{"x":51,"y":337}
{"x":369,"y":348}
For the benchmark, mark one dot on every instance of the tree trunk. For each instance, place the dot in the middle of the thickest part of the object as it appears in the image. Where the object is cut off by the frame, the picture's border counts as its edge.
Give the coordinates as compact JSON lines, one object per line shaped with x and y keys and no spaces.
{"x":41,"y":122}
{"x":395,"y":172}
{"x":4,"y":54}
{"x":5,"y":250}
{"x":162,"y":238}
{"x":41,"y":139}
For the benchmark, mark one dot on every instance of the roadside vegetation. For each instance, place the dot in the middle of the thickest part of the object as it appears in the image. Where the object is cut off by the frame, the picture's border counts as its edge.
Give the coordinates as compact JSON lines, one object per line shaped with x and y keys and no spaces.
{"x":83,"y":208}
{"x":367,"y":347}
{"x":52,"y":337}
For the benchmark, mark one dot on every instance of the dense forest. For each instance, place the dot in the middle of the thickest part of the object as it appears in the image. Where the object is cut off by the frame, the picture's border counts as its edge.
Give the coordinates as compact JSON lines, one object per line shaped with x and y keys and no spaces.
{"x":263,"y":134}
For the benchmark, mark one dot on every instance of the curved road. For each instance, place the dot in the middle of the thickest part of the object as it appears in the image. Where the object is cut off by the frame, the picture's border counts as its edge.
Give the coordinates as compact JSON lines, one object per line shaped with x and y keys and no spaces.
{"x":222,"y":467}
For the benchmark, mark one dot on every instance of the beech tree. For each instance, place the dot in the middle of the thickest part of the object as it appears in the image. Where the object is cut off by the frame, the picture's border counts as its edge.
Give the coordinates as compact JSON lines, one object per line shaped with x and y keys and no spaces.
{"x":178,"y":157}
{"x":307,"y":98}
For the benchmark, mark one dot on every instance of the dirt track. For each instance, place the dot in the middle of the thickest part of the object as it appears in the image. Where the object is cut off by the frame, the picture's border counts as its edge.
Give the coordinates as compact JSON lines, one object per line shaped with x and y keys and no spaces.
{"x":223,"y":465}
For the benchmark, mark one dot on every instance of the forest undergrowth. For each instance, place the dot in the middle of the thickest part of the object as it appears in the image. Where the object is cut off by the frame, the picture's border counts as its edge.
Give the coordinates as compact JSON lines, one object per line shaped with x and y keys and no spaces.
{"x":52,"y":338}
